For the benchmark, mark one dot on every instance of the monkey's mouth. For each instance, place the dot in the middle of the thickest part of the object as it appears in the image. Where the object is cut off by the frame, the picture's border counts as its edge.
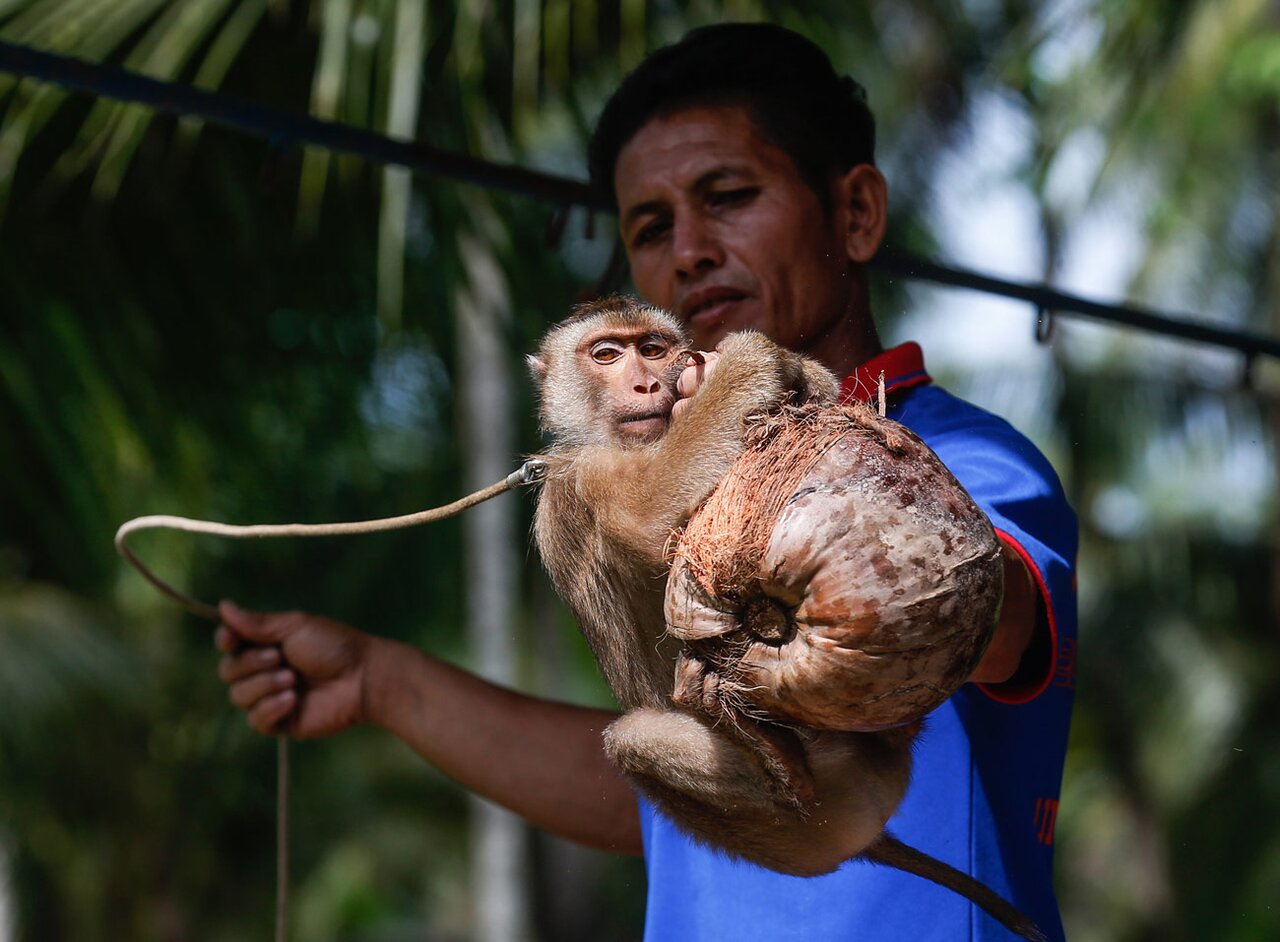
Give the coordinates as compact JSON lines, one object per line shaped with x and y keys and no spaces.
{"x":644,"y":427}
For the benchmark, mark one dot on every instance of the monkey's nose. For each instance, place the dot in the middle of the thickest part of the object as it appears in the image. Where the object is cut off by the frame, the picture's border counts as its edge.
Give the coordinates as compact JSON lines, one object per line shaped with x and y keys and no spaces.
{"x":649,"y":388}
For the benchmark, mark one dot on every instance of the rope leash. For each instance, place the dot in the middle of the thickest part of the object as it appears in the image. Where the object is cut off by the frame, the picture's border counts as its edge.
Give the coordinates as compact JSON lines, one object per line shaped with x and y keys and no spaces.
{"x":531,"y":472}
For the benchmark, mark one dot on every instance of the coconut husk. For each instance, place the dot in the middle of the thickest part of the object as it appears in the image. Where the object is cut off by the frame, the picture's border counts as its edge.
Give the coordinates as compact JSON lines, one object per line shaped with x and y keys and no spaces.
{"x":838,"y":578}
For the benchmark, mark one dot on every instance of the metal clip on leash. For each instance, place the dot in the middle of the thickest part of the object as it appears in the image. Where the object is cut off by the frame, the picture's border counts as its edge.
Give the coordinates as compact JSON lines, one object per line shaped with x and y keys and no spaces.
{"x":531,"y":472}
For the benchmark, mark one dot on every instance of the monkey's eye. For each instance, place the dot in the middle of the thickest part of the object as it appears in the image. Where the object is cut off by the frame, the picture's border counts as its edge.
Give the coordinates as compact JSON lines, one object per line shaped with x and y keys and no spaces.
{"x":605,"y":352}
{"x":653,"y":350}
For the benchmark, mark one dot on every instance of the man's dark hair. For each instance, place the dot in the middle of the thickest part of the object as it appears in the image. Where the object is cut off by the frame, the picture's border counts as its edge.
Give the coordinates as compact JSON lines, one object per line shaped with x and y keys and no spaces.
{"x":800,"y":104}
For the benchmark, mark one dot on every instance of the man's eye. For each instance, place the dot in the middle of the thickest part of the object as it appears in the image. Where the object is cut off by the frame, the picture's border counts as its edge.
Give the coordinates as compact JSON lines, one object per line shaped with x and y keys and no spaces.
{"x":650,"y":232}
{"x":733,"y":197}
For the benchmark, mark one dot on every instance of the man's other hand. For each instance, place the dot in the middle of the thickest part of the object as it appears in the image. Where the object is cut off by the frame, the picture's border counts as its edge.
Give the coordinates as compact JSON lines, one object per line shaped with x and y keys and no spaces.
{"x":292,"y":672}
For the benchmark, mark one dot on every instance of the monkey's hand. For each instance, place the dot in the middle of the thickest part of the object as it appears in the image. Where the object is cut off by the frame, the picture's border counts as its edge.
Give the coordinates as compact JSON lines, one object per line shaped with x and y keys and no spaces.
{"x":292,"y":672}
{"x":760,"y":375}
{"x":806,"y":379}
{"x":691,"y":379}
{"x":819,"y":385}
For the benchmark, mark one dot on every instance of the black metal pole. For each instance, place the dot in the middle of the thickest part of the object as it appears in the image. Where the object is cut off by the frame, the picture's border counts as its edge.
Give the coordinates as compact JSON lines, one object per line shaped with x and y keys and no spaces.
{"x":278,"y":125}
{"x":907,"y":265}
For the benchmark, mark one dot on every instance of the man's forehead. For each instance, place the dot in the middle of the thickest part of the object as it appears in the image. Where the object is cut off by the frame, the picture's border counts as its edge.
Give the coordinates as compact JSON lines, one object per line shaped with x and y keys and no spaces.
{"x":691,"y":147}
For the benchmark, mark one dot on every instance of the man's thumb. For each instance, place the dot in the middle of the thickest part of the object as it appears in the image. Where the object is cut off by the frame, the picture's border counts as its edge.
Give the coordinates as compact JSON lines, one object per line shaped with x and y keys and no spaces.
{"x":251,"y":625}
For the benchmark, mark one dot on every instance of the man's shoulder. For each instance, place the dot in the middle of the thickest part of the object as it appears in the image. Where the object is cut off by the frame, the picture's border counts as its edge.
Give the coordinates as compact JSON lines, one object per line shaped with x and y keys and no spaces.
{"x":931,"y":410}
{"x":1002,"y":469}
{"x":962,"y":432}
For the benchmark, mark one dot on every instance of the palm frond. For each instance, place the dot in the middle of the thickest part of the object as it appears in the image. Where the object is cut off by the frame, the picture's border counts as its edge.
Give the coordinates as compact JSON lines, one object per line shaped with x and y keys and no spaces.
{"x":54,"y":653}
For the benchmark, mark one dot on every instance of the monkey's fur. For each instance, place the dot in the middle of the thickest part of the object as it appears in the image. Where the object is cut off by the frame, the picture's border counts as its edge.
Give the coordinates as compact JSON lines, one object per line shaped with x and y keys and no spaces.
{"x":797,"y":801}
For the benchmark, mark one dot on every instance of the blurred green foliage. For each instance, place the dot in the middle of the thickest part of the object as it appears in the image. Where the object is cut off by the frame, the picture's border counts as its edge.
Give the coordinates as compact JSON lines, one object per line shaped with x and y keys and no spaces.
{"x":193,"y":322}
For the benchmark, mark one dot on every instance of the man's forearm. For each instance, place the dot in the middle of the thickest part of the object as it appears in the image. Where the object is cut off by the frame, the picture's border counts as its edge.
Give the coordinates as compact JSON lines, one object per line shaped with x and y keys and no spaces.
{"x":541,"y":759}
{"x":1017,"y":623}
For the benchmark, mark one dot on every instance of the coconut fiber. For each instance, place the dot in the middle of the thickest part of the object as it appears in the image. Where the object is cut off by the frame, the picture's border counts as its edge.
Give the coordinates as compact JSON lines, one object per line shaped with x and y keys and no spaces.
{"x":839,"y":577}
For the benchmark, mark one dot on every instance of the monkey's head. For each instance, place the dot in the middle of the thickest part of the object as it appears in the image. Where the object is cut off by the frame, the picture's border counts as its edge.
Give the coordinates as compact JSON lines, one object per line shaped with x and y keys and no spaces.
{"x":607,"y":373}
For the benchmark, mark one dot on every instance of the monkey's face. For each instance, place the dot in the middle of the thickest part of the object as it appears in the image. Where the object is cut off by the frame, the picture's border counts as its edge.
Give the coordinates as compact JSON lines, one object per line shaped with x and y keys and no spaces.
{"x":607,"y":374}
{"x":634,"y":374}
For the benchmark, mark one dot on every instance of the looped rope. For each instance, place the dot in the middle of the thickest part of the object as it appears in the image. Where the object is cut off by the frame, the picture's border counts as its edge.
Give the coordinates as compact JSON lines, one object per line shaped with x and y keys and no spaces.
{"x":531,"y":472}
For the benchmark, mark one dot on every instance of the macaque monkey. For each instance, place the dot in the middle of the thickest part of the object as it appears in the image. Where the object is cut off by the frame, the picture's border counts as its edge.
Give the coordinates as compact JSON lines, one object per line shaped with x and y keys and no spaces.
{"x":623,"y":474}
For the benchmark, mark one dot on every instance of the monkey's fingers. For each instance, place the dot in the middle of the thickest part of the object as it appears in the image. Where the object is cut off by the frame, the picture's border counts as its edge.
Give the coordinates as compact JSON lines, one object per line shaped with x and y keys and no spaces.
{"x":693,"y":376}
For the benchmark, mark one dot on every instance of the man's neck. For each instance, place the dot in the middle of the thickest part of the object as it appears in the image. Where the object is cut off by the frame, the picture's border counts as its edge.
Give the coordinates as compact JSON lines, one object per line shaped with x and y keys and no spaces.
{"x":848,"y":340}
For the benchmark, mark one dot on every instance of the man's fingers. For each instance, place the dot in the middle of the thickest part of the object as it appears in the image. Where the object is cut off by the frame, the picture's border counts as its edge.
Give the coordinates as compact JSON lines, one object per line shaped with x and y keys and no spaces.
{"x":255,"y":626}
{"x":236,"y":666}
{"x":250,"y":693}
{"x":268,"y":715}
{"x":224,"y":640}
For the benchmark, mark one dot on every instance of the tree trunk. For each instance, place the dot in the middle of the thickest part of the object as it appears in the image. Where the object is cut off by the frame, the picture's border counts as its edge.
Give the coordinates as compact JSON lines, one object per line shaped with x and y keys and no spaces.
{"x":1271,"y":407}
{"x":8,"y":905}
{"x":397,"y":182}
{"x":499,"y":865}
{"x":569,"y":875}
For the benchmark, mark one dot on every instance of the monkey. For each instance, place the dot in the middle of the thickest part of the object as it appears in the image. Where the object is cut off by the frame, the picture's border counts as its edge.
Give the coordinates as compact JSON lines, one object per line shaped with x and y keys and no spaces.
{"x":626,"y":468}
{"x":606,"y":378}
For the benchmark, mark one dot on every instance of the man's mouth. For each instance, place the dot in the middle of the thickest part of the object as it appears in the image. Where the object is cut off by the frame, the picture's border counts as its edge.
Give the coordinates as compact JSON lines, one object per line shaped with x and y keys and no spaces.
{"x":710,"y":306}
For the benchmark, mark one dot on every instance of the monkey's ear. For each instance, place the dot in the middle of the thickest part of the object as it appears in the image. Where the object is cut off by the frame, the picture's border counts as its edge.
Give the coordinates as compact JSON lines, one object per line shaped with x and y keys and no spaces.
{"x":537,"y":368}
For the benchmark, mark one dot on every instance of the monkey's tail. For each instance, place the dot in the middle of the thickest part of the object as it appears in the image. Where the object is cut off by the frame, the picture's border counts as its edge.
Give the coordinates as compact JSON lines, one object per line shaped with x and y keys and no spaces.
{"x":891,"y":852}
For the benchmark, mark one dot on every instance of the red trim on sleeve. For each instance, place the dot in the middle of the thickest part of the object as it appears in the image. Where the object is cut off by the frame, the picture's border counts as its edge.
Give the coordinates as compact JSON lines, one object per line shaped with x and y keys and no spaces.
{"x":1025,"y":693}
{"x":902,"y":366}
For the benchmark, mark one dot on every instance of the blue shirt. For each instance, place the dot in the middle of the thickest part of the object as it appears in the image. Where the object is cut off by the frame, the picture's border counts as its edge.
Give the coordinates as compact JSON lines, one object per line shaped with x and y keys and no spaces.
{"x":987,"y":768}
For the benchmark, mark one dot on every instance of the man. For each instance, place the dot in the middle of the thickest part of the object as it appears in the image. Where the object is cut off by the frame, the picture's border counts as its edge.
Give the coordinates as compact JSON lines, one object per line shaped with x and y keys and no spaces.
{"x":742,"y":169}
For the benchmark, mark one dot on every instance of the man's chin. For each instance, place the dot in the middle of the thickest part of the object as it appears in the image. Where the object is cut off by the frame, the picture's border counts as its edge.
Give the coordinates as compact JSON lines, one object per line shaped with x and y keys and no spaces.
{"x":708,"y":327}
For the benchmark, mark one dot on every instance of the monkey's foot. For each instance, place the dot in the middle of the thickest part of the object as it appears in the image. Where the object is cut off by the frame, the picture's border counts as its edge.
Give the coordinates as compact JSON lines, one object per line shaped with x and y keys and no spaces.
{"x":679,"y":757}
{"x":778,"y":748}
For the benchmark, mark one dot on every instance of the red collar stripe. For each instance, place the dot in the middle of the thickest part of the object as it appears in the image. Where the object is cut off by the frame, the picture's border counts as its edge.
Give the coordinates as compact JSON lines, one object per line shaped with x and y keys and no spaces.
{"x":902,"y":366}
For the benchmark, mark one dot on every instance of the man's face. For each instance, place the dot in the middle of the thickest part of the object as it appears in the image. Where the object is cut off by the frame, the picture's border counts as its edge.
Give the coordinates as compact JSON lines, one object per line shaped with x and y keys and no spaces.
{"x":722,"y":230}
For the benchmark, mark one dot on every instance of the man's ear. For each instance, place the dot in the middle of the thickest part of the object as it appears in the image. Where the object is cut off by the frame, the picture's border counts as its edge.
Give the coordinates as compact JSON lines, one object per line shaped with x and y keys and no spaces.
{"x":862,"y":202}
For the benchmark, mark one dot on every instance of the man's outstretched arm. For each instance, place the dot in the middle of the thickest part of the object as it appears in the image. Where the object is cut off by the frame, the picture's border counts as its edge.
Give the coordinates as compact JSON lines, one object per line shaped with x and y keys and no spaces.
{"x":1017,"y":624}
{"x":312,"y":677}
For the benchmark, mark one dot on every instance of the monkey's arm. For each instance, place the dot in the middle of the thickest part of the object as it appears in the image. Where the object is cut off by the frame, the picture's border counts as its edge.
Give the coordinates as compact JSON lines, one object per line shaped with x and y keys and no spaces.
{"x":813,"y":383}
{"x":752,"y":375}
{"x":613,"y":589}
{"x":651,"y":492}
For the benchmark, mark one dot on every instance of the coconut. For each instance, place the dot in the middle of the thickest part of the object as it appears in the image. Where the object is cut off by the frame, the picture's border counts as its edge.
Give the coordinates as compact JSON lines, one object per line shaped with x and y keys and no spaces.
{"x":839,"y":578}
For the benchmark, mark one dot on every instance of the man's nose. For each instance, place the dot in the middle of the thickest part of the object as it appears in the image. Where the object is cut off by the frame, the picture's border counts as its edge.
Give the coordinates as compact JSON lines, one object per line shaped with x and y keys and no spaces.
{"x":695,"y":247}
